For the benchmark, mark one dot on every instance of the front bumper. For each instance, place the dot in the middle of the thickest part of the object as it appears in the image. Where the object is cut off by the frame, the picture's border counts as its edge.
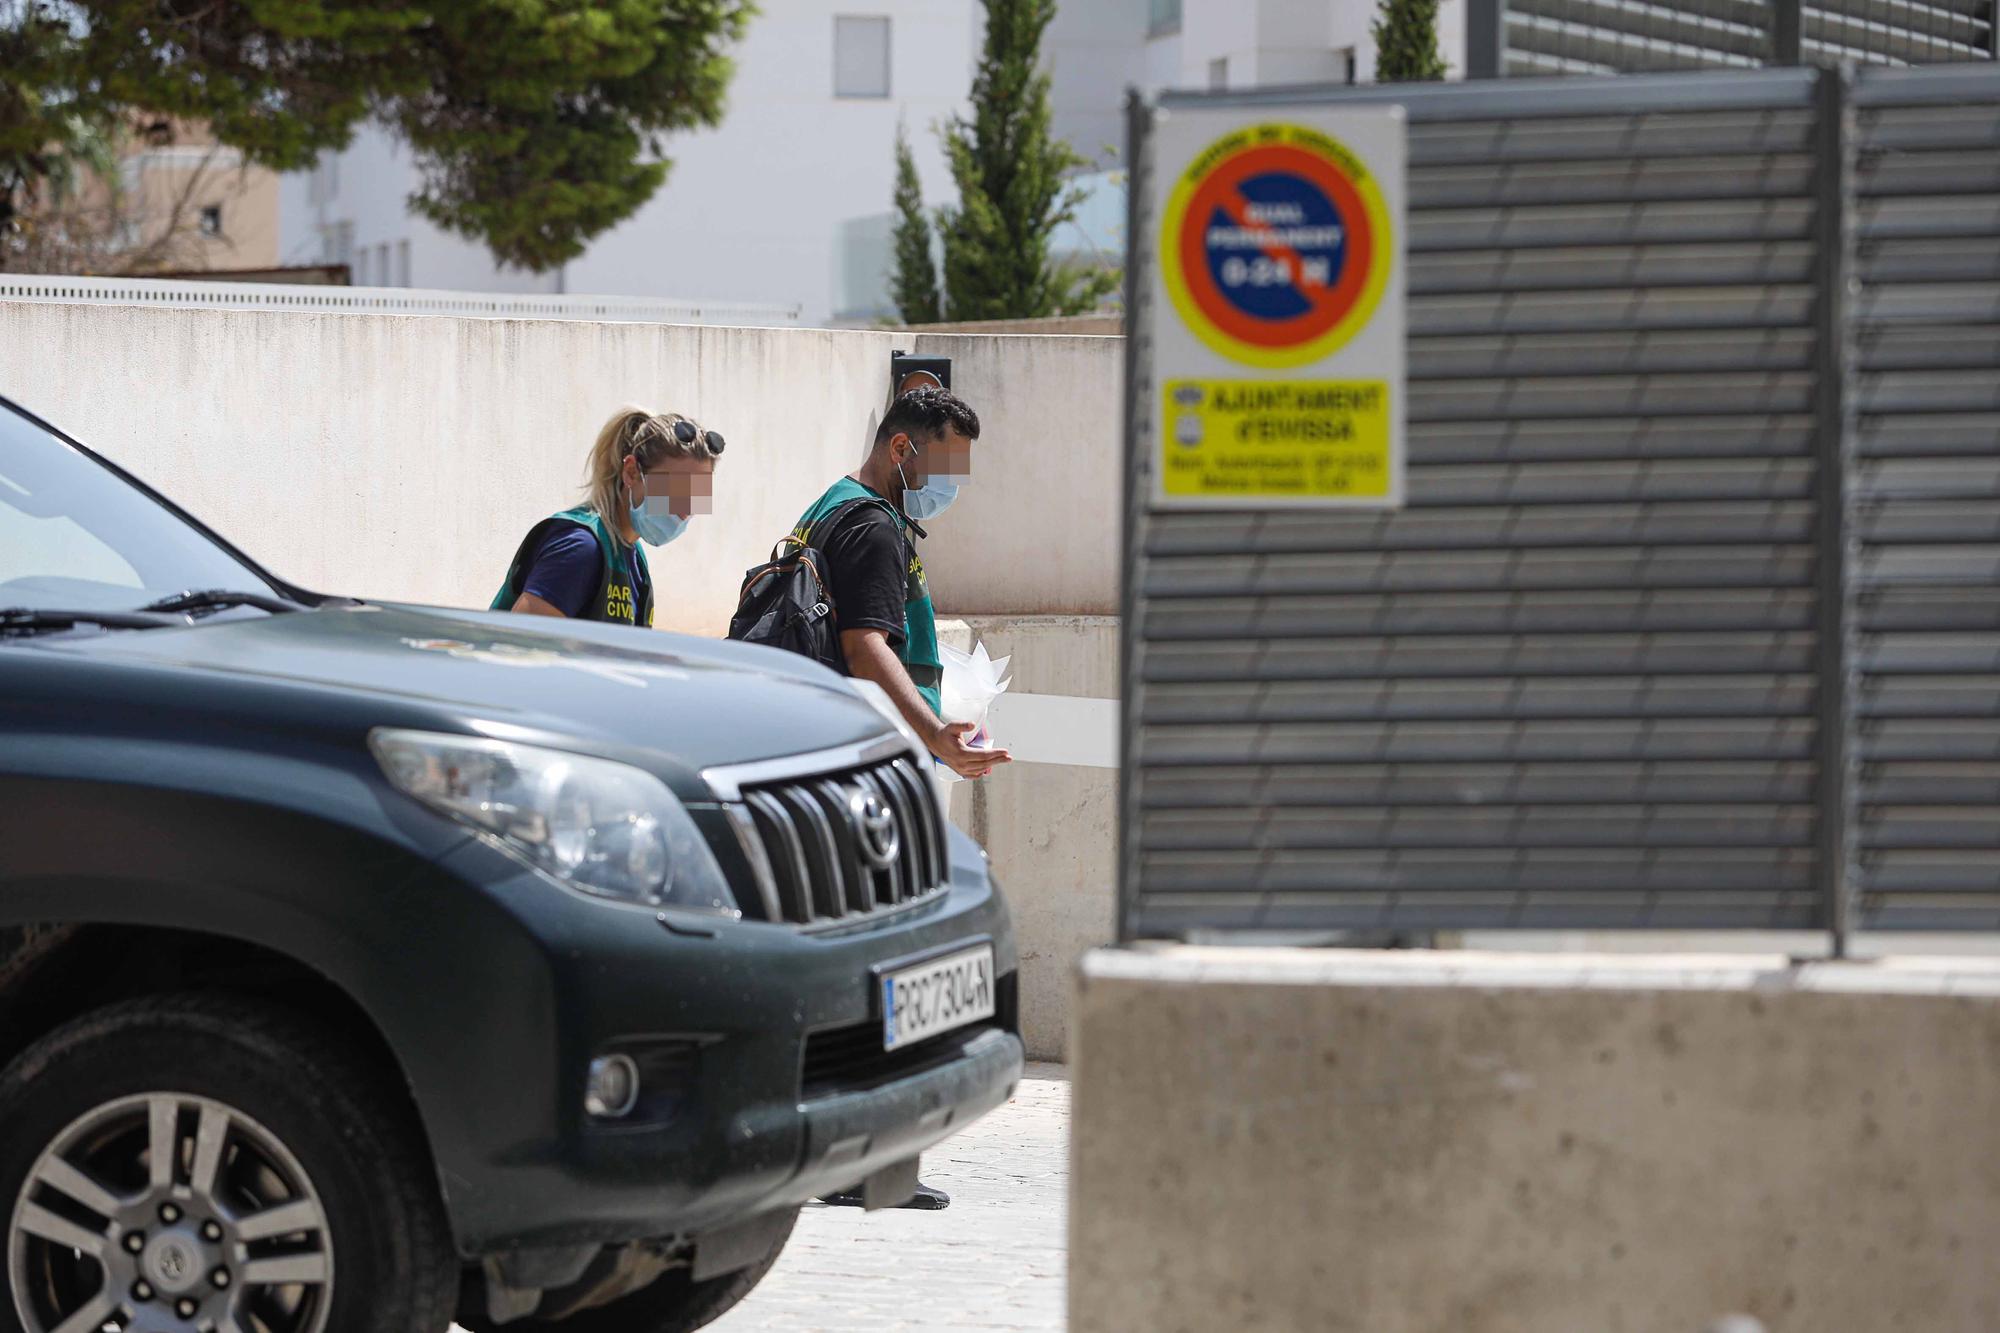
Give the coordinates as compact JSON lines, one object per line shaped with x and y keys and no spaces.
{"x":719,"y":1017}
{"x":850,"y":1136}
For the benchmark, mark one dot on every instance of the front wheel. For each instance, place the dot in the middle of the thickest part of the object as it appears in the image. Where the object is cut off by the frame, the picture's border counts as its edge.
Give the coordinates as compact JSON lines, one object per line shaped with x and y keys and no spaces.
{"x":201,"y":1163}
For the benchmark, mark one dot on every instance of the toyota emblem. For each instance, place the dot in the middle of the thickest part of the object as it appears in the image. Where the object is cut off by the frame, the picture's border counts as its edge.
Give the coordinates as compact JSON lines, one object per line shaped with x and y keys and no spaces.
{"x":874,"y":829}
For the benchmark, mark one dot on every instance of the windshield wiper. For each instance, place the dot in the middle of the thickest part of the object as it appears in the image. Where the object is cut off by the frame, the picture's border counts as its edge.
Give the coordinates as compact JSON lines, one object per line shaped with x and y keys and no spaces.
{"x":31,"y":619}
{"x":215,"y":599}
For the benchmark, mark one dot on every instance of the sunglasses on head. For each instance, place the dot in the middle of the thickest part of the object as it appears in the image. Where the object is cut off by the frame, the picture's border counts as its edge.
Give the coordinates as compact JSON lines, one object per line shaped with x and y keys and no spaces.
{"x":687,"y":432}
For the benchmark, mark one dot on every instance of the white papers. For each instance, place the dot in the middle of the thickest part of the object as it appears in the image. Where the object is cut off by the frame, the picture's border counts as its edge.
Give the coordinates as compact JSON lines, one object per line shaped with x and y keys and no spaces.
{"x":972,"y":681}
{"x":1034,"y":728}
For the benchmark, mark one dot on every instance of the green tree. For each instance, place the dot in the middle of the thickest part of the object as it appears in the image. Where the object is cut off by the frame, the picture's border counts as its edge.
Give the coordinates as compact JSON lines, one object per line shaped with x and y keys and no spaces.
{"x":915,"y":280}
{"x":534,"y":124}
{"x":1011,"y":190}
{"x":1406,"y":42}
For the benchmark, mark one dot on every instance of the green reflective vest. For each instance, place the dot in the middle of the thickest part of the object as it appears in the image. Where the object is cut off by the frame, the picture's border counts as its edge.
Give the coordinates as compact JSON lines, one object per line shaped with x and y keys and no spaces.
{"x":919,"y":650}
{"x":619,"y":599}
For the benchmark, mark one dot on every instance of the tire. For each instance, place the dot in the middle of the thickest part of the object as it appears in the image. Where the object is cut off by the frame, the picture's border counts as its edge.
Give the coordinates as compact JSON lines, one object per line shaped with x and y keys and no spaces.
{"x":672,"y":1304}
{"x":291,"y":1120}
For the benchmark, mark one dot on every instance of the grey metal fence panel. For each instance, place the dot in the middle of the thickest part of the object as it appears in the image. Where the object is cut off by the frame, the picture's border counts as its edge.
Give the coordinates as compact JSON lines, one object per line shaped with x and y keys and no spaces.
{"x":1926,"y":500}
{"x":1575,"y":37}
{"x":1577,"y":681}
{"x":1627,"y":36}
{"x":1897,"y":32}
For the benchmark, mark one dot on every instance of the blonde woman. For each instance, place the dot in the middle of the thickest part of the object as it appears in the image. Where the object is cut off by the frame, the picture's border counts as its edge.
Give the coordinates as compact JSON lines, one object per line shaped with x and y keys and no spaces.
{"x":648,"y":474}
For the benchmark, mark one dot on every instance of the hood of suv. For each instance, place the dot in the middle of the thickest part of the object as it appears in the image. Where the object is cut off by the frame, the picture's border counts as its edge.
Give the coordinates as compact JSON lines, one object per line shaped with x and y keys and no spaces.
{"x":700,"y":702}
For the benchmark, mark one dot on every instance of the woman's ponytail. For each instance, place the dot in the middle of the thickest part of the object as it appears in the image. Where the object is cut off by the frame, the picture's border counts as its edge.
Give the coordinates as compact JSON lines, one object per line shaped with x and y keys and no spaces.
{"x":614,"y":445}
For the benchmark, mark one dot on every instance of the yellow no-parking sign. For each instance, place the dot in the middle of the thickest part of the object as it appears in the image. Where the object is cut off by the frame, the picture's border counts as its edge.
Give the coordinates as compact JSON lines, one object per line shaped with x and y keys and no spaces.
{"x":1277,"y":318}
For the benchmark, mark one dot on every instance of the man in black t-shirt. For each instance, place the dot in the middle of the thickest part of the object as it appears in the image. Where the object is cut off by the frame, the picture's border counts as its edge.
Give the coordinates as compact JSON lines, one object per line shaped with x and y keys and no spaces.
{"x":888,"y":627}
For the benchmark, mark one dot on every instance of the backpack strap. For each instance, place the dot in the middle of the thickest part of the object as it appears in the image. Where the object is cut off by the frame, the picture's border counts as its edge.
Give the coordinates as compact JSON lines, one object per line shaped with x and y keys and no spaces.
{"x":831,"y":520}
{"x":826,"y":522}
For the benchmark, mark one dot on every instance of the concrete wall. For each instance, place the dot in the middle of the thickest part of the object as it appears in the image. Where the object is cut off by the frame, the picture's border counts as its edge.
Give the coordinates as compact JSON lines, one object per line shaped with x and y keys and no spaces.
{"x":1052,"y":829}
{"x":1401,"y":1143}
{"x":1113,"y":325}
{"x":402,"y":457}
{"x":1037,"y":532}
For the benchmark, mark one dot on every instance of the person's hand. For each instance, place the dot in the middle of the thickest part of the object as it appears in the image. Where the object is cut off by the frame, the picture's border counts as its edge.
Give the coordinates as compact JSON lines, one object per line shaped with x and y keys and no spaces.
{"x":949,"y":743}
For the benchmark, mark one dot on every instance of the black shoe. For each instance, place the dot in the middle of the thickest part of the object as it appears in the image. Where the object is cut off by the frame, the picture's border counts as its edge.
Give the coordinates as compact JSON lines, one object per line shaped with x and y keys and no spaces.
{"x":925,"y":1199}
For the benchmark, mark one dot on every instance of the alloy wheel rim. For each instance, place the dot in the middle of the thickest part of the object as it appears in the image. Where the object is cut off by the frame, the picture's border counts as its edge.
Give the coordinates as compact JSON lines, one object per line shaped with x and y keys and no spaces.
{"x":169,"y":1213}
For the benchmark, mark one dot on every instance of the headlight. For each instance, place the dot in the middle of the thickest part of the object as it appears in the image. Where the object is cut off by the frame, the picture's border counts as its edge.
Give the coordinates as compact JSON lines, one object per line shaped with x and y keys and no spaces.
{"x":606,"y":828}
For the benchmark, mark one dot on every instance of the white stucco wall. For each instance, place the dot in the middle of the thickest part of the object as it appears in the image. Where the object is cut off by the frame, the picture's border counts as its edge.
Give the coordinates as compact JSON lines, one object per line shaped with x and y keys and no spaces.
{"x":1051,"y":828}
{"x":402,"y":457}
{"x":1036,"y":533}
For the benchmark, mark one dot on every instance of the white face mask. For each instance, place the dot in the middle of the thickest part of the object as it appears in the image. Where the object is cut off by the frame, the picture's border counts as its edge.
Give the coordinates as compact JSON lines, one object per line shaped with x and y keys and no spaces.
{"x":927,"y":501}
{"x":657,"y":526}
{"x":655,"y":523}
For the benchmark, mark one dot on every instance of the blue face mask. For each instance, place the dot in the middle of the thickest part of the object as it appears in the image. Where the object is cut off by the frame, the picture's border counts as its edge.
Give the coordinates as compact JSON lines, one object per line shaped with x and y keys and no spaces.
{"x":655,"y":523}
{"x":924,"y":503}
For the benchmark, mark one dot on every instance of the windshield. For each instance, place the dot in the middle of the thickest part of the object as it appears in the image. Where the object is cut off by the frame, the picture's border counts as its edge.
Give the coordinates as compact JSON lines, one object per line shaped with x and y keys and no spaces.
{"x":75,"y":536}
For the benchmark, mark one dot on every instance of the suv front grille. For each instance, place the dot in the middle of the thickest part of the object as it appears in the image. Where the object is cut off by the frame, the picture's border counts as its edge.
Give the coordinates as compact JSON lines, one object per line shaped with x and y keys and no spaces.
{"x":840,"y":846}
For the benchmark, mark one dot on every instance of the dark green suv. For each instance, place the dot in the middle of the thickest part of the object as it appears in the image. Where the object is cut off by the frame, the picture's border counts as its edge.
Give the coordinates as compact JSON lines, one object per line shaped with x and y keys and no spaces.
{"x":363,"y":966}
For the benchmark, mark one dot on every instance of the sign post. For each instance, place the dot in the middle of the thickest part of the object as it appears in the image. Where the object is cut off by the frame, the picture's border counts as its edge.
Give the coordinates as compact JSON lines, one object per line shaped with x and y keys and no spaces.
{"x":1276,"y":318}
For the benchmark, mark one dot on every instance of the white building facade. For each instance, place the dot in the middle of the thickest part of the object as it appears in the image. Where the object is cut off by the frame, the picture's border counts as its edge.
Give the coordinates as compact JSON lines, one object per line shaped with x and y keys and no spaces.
{"x":786,"y":204}
{"x":751,"y":212}
{"x":1218,"y":44}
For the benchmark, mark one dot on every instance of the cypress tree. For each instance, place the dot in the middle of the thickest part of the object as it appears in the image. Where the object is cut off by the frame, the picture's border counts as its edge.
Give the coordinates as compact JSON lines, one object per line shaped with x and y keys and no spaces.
{"x":1406,"y":42}
{"x":915,"y":280}
{"x":1011,"y":191}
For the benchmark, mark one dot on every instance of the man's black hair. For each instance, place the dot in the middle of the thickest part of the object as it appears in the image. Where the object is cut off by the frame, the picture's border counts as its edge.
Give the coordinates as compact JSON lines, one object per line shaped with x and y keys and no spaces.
{"x":926,"y":413}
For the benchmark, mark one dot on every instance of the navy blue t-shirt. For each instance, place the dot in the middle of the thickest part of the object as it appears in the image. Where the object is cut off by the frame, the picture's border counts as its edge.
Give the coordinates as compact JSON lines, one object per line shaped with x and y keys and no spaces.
{"x":567,"y":568}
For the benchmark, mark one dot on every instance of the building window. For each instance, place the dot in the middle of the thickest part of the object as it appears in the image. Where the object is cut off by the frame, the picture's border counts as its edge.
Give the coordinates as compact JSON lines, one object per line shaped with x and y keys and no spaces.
{"x":860,"y":57}
{"x":361,"y":267}
{"x":324,"y":183}
{"x":1218,"y":74}
{"x":382,"y":264}
{"x":211,"y":220}
{"x":336,"y":244}
{"x":1165,"y":17}
{"x":402,"y":263}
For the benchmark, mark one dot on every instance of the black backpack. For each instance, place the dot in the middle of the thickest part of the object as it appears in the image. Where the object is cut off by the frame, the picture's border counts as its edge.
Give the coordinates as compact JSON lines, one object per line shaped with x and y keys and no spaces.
{"x":785,"y":603}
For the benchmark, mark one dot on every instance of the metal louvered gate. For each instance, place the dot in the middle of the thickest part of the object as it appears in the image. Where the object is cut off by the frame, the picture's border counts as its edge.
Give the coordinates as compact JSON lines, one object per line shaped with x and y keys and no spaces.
{"x":1644,"y":649}
{"x":1512,"y":38}
{"x":1925,"y":491}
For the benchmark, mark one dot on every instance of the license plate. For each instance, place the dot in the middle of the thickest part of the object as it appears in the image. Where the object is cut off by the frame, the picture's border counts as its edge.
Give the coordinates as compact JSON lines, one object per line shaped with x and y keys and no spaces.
{"x":937,"y":996}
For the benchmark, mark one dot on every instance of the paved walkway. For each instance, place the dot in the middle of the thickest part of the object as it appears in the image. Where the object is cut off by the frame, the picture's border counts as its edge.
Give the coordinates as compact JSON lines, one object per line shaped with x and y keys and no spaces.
{"x":993,"y":1260}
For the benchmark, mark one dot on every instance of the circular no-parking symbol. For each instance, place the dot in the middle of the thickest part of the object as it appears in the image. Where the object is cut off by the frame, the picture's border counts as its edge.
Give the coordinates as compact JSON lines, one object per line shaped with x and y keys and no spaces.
{"x":1275,"y":245}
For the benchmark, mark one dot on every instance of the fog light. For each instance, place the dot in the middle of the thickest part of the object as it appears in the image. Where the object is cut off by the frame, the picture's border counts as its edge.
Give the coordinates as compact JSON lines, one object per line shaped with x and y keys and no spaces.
{"x":613,"y":1089}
